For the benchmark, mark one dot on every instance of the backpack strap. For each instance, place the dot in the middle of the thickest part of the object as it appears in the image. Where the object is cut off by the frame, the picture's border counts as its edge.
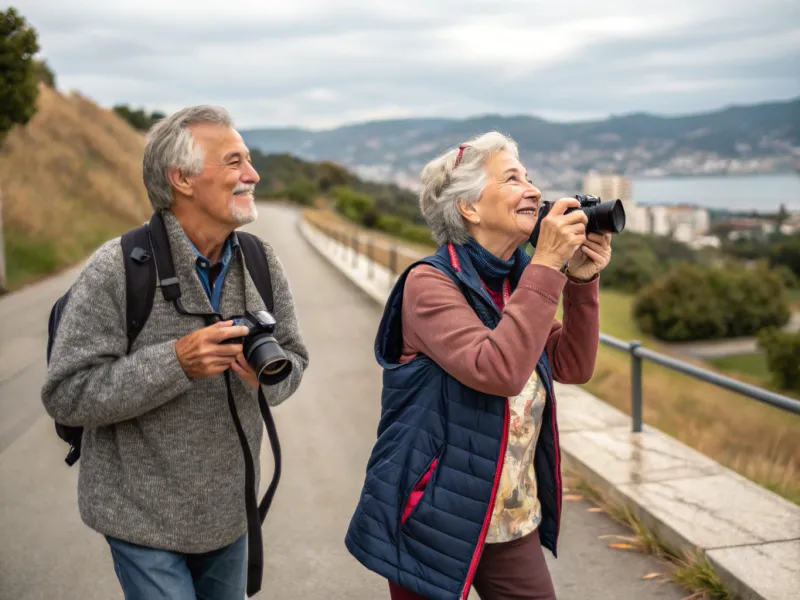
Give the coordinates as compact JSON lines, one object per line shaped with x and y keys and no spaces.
{"x":140,"y":279}
{"x":255,"y":259}
{"x":170,"y":286}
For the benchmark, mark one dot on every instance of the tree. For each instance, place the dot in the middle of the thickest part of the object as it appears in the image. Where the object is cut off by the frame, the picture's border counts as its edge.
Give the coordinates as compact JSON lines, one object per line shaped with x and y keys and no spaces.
{"x":356,"y":206}
{"x":302,"y":192}
{"x":782,"y":349}
{"x":138,"y":119}
{"x":782,"y":215}
{"x":44,"y":74}
{"x":18,"y":91}
{"x":693,"y":302}
{"x":787,"y":253}
{"x":631,"y":271}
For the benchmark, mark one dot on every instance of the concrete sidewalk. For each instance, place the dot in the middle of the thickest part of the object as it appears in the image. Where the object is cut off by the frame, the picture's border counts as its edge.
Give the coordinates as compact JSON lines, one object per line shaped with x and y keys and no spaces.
{"x":749,"y":534}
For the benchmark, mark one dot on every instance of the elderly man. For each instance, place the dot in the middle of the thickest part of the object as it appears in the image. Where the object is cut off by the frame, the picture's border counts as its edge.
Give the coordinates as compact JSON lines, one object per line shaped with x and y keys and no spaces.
{"x":164,"y":456}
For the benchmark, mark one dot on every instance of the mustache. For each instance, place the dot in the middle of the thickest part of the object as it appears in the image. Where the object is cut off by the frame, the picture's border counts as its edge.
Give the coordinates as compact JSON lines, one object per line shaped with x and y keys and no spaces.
{"x":245,"y":188}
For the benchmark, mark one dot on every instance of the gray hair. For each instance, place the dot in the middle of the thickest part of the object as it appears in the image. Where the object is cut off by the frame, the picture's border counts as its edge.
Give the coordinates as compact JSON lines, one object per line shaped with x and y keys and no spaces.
{"x":444,"y":186}
{"x":169,"y":143}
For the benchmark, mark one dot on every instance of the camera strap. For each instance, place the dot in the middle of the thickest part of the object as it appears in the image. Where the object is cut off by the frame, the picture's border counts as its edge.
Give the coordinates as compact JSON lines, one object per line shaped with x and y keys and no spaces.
{"x":256,"y":512}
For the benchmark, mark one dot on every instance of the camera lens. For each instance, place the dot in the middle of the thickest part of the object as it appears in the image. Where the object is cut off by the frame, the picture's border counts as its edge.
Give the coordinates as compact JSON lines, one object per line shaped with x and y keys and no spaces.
{"x":606,"y":217}
{"x":268,"y":360}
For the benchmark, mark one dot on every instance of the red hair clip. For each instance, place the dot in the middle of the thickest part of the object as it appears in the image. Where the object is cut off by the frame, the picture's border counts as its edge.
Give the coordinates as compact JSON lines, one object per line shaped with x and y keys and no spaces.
{"x":460,"y":154}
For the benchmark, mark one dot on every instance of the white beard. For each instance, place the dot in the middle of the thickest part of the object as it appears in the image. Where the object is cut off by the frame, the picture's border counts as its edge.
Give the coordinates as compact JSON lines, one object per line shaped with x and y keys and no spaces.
{"x":243,"y":216}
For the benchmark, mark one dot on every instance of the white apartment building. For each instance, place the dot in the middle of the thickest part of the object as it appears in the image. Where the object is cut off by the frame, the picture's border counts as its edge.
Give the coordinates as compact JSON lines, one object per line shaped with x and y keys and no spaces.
{"x":617,"y":187}
{"x":684,"y":223}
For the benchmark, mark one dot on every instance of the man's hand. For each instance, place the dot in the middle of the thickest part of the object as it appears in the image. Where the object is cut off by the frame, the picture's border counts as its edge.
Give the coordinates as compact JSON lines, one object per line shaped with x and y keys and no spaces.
{"x":243,"y":370}
{"x":591,"y":258}
{"x":201,"y":353}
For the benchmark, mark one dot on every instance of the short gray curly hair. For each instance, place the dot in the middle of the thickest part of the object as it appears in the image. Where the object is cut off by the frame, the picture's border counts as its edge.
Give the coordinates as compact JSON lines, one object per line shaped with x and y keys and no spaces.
{"x":169,"y":143}
{"x":444,"y":186}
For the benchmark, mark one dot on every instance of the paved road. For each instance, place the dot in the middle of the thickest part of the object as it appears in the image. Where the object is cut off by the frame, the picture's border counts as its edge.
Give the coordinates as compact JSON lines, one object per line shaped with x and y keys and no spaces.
{"x":730,"y":347}
{"x":326,"y":430}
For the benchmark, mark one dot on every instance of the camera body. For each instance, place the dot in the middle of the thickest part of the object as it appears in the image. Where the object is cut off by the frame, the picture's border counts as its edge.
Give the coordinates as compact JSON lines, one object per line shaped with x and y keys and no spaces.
{"x":260,"y":348}
{"x":604,"y":217}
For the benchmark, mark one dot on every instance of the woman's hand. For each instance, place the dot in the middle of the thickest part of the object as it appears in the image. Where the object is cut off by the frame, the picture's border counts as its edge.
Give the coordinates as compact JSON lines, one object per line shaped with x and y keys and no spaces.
{"x":591,"y":258}
{"x":560,"y":235}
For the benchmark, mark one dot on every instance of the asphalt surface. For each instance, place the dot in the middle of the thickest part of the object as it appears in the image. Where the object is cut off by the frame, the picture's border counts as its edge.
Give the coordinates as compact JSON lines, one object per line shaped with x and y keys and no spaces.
{"x":327,"y":429}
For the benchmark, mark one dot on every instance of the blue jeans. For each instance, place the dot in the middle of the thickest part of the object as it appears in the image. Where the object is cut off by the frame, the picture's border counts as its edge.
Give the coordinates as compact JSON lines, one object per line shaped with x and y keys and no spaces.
{"x":150,"y":574}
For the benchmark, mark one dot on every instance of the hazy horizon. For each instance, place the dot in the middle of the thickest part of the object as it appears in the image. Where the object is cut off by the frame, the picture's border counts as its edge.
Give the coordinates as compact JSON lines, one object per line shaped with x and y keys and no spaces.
{"x":523,"y":115}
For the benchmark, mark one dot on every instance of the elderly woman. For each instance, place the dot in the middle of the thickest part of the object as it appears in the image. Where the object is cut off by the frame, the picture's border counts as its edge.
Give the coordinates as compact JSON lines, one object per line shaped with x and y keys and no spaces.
{"x":463,"y":487}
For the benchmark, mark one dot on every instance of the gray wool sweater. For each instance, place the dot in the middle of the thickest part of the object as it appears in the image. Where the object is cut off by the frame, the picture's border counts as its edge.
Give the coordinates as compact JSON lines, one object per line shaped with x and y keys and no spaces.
{"x":161,"y":464}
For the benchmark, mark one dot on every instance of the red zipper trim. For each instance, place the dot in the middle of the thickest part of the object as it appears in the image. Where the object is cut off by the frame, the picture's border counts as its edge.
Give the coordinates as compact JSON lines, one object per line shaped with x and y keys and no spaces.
{"x":473,"y":566}
{"x":558,"y":461}
{"x":453,"y":257}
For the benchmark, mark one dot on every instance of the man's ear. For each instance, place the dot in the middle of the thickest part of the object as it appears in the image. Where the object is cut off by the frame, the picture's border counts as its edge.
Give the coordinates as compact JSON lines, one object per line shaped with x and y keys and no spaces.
{"x":469,"y":212}
{"x":179,"y":181}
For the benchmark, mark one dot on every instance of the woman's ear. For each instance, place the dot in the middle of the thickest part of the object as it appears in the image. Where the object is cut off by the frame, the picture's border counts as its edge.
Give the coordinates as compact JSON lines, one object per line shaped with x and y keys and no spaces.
{"x":179,"y":181}
{"x":469,"y":212}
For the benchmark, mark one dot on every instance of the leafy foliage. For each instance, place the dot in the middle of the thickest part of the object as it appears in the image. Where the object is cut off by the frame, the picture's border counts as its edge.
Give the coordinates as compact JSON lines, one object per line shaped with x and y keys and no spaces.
{"x":380,"y":206}
{"x":782,"y":349}
{"x":139,"y":119}
{"x":694,"y":302}
{"x":787,"y":253}
{"x":18,"y":91}
{"x":639,"y":259}
{"x":44,"y":74}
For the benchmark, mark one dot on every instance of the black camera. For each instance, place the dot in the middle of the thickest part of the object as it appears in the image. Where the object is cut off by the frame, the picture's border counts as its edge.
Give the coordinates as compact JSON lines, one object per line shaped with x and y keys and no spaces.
{"x":260,"y":349}
{"x":604,"y":217}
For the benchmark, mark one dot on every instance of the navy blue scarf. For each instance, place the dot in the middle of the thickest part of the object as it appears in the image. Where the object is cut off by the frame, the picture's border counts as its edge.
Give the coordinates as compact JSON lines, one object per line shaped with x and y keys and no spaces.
{"x":492,"y":269}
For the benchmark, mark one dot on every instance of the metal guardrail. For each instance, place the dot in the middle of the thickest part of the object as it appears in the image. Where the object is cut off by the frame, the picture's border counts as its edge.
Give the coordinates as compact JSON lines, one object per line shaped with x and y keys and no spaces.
{"x":638,"y":353}
{"x":634,"y":349}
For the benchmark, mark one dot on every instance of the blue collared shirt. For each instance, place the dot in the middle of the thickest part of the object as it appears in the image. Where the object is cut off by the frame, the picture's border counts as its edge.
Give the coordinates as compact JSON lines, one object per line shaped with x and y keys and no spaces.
{"x":212,"y":276}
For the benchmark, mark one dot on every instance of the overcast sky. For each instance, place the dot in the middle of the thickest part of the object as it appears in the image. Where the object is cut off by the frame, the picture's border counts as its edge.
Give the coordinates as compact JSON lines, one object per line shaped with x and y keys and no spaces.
{"x":321,"y":63}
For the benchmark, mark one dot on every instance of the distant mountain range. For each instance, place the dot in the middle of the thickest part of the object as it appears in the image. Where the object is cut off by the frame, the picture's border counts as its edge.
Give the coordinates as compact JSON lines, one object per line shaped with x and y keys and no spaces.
{"x":762,"y":138}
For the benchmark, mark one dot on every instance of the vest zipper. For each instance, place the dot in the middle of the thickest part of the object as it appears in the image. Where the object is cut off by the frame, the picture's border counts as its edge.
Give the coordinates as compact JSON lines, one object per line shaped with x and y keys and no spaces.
{"x":473,"y":566}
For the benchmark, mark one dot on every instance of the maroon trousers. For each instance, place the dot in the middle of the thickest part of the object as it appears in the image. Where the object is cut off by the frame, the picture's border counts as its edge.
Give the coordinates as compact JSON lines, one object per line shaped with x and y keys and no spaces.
{"x":509,"y":571}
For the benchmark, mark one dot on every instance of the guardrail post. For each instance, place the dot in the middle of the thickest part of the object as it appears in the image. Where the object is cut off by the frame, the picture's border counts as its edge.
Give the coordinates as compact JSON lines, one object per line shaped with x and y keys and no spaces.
{"x":355,"y":250}
{"x":636,"y":387}
{"x":370,"y":259}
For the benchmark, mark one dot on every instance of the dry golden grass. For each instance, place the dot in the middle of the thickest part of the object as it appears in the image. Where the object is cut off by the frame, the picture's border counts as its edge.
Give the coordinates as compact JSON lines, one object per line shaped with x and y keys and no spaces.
{"x":759,"y":442}
{"x":70,"y":179}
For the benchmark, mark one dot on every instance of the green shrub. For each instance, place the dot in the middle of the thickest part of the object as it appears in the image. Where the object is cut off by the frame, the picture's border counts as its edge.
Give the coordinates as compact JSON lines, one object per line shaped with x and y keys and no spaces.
{"x":693,"y":302}
{"x":359,"y":208}
{"x":681,"y":305}
{"x":782,"y":349}
{"x":302,"y":192}
{"x":787,"y":252}
{"x":789,"y":279}
{"x":631,"y":271}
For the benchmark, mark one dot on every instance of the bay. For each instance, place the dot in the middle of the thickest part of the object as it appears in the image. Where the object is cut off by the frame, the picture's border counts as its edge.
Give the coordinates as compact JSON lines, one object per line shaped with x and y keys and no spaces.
{"x":761,"y":193}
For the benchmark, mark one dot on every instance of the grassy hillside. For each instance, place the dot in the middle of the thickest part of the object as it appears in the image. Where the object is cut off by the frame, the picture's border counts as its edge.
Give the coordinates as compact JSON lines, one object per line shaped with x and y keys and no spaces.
{"x":70,"y":180}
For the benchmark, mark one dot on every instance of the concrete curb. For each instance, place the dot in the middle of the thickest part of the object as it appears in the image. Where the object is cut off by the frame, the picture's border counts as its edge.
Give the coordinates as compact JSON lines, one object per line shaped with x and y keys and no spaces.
{"x":750,"y":535}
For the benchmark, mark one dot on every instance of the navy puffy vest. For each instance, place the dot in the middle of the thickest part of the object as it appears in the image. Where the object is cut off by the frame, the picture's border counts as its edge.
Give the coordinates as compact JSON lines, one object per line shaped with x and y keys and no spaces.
{"x":431,"y":425}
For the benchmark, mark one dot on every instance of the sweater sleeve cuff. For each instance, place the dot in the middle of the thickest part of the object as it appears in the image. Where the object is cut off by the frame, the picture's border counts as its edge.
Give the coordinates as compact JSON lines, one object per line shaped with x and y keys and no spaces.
{"x":543,"y":280}
{"x":582,"y":292}
{"x":170,"y":378}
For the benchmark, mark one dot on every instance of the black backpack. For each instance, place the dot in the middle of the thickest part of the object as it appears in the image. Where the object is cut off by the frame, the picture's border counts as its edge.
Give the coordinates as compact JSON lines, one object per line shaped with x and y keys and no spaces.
{"x":146,"y":254}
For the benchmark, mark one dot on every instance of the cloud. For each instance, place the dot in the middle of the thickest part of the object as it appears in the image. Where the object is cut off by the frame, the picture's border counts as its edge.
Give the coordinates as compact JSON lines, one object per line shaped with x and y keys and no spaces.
{"x":320,"y":63}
